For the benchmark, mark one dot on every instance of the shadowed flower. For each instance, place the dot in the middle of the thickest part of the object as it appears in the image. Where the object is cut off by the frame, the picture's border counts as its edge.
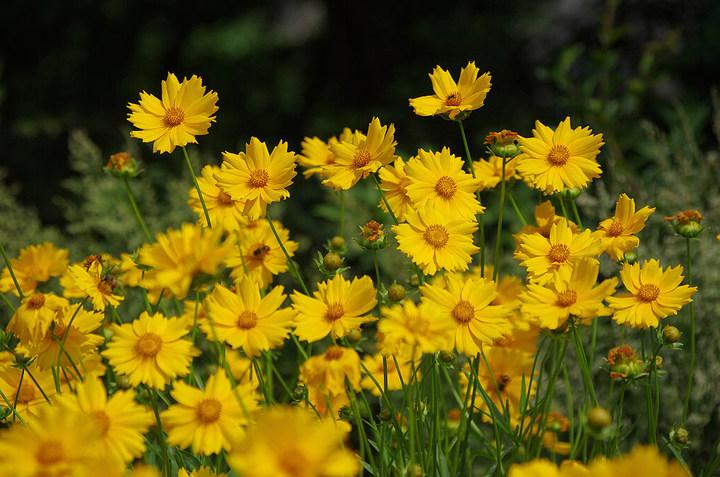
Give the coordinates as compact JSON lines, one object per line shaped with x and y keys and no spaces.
{"x":617,"y":233}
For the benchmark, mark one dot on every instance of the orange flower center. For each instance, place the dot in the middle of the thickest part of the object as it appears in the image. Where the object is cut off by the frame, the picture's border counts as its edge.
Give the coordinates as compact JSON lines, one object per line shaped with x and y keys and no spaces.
{"x":436,"y":235}
{"x":259,"y":252}
{"x":247,"y":320}
{"x":149,"y":345}
{"x":333,"y":353}
{"x":559,"y":253}
{"x":615,"y":229}
{"x":102,"y":420}
{"x":446,"y":187}
{"x":559,"y":155}
{"x":566,"y":298}
{"x":453,"y":99}
{"x":173,"y":117}
{"x":208,"y":411}
{"x":361,"y":159}
{"x":106,"y":286}
{"x":224,"y":198}
{"x":502,"y":381}
{"x":648,"y":293}
{"x":50,"y":452}
{"x":258,"y":178}
{"x":334,"y":312}
{"x":463,"y":312}
{"x":36,"y":301}
{"x":293,"y":463}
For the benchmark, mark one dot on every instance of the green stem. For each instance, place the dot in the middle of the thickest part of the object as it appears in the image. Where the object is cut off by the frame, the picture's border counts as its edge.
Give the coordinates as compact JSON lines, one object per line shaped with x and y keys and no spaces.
{"x":498,"y":236}
{"x":576,"y":213}
{"x":377,"y":269}
{"x":12,"y":272}
{"x":384,"y":199}
{"x":161,"y":433}
{"x":691,"y":367}
{"x":7,"y":302}
{"x":291,"y":264}
{"x":562,"y":205}
{"x":515,"y":207}
{"x":197,"y":187}
{"x":584,"y":367}
{"x":481,"y":223}
{"x":136,"y":209}
{"x":341,"y":232}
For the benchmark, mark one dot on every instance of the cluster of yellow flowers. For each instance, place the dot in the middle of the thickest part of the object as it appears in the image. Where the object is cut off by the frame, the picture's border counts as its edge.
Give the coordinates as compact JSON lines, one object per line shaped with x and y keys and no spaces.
{"x":90,"y":388}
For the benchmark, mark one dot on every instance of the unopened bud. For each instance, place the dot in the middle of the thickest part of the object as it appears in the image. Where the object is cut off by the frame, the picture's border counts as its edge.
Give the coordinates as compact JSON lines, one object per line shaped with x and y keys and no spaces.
{"x":345,"y":413}
{"x":122,"y":164}
{"x":687,"y":223}
{"x":447,"y":357}
{"x":299,"y":393}
{"x":671,"y":334}
{"x":630,"y":257}
{"x":572,"y":193}
{"x":354,"y":336}
{"x":332,"y":261}
{"x":680,"y":436}
{"x":415,"y":471}
{"x":122,"y":381}
{"x":599,"y":418}
{"x":337,"y":242}
{"x":414,"y":280}
{"x":396,"y":292}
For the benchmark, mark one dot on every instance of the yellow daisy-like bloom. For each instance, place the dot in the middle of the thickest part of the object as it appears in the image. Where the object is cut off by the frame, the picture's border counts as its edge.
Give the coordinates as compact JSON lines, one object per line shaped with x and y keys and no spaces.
{"x":246,"y":320}
{"x":30,"y":399}
{"x":291,"y":442}
{"x":151,"y":350}
{"x":395,"y":376}
{"x":438,"y":181}
{"x":201,"y":472}
{"x":99,"y":287}
{"x":225,"y":212}
{"x":545,"y":468}
{"x":489,"y":171}
{"x":32,"y":319}
{"x":210,"y":419}
{"x":653,"y":294}
{"x":617,"y":233}
{"x":183,"y":112}
{"x":435,"y":241}
{"x":261,"y":257}
{"x":130,"y":273}
{"x":142,"y":470}
{"x":357,"y":159}
{"x":257,"y":176}
{"x":336,"y":308}
{"x":315,"y":156}
{"x":241,"y":368}
{"x":543,"y":257}
{"x":467,"y":302}
{"x":456,"y":100}
{"x":643,"y":460}
{"x":394,"y":182}
{"x":325,"y":375}
{"x":35,"y":264}
{"x":571,"y":292}
{"x":407,"y":326}
{"x":553,"y":161}
{"x":121,"y":420}
{"x":179,"y":256}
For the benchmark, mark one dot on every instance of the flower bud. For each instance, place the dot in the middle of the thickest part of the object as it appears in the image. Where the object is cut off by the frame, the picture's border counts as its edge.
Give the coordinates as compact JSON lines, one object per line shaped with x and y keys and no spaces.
{"x":122,"y":381}
{"x":354,"y":336}
{"x":671,"y":334}
{"x":630,"y":257}
{"x":447,"y":357}
{"x":659,"y":360}
{"x":122,"y":164}
{"x":624,"y":363}
{"x":414,"y":280}
{"x":396,"y":292}
{"x":415,"y":471}
{"x":572,"y":193}
{"x":680,"y":436}
{"x":299,"y":393}
{"x":686,"y":223}
{"x":384,"y":415}
{"x":345,"y":413}
{"x":332,"y":261}
{"x":599,"y":418}
{"x":372,"y":236}
{"x":337,"y":242}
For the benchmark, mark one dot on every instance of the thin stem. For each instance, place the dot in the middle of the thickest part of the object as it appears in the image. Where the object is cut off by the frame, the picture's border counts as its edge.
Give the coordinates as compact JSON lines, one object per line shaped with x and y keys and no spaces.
{"x":291,"y":264}
{"x":7,"y":302}
{"x":197,"y":187}
{"x":691,"y":367}
{"x":136,"y":210}
{"x":161,"y":433}
{"x":584,"y":367}
{"x":12,"y":272}
{"x":576,"y":213}
{"x":515,"y":207}
{"x":562,"y":205}
{"x":481,"y":221}
{"x":384,"y":199}
{"x":498,"y":236}
{"x":341,"y":227}
{"x":377,"y":269}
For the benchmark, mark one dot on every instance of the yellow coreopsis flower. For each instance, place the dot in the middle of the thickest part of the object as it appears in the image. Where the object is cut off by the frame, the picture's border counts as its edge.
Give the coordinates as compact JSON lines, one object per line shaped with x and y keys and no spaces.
{"x":246,"y":320}
{"x":396,"y":376}
{"x":29,"y":391}
{"x":394,"y":182}
{"x":545,"y":468}
{"x":553,"y":161}
{"x":179,"y":256}
{"x":325,"y":376}
{"x":99,"y":287}
{"x":225,"y":212}
{"x":643,"y":460}
{"x":315,"y":156}
{"x":35,"y":264}
{"x":435,"y":241}
{"x":151,"y":350}
{"x":489,"y":171}
{"x":467,"y":302}
{"x":336,"y":308}
{"x":208,"y":420}
{"x":201,"y":472}
{"x":290,"y":442}
{"x":257,"y":176}
{"x":617,"y":233}
{"x":653,"y":294}
{"x":357,"y":159}
{"x":570,"y":292}
{"x":406,"y":327}
{"x":438,"y":181}
{"x":543,"y":257}
{"x":130,"y":273}
{"x":32,"y":319}
{"x":456,"y":100}
{"x":241,"y":368}
{"x":183,"y":112}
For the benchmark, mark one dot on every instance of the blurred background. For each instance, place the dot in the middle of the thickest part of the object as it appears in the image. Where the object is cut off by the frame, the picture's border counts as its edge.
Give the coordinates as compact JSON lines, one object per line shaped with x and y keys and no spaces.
{"x":641,"y":72}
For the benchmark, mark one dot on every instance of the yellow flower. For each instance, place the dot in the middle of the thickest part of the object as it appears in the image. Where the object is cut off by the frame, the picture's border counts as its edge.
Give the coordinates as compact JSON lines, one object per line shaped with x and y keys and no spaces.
{"x":556,"y":424}
{"x":35,"y":264}
{"x":30,"y":399}
{"x":395,"y":376}
{"x":179,"y":256}
{"x":336,"y":308}
{"x":653,"y":294}
{"x":210,"y":419}
{"x":325,"y":375}
{"x":545,"y":468}
{"x":406,"y":327}
{"x":617,"y":233}
{"x":437,"y":180}
{"x":489,"y":171}
{"x":201,"y":472}
{"x":455,"y":100}
{"x":225,"y":212}
{"x":98,"y":286}
{"x":290,"y":442}
{"x":316,"y":155}
{"x":142,"y":470}
{"x":130,"y":273}
{"x":394,"y":182}
{"x":36,"y":313}
{"x":643,"y":460}
{"x":241,"y":368}
{"x":151,"y":350}
{"x":435,"y":241}
{"x":246,"y":320}
{"x":553,"y":161}
{"x":543,"y":257}
{"x":357,"y":159}
{"x":570,"y":292}
{"x":121,"y":420}
{"x":257,"y":176}
{"x":466,"y":301}
{"x":185,"y":111}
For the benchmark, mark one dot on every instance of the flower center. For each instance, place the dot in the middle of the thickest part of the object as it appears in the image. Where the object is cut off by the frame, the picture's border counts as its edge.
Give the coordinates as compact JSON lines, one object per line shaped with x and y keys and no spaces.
{"x":173,"y":117}
{"x":559,"y":253}
{"x":446,"y":187}
{"x":566,"y":298}
{"x":102,"y":420}
{"x":463,"y":312}
{"x":258,"y":178}
{"x":502,"y":381}
{"x":559,"y":155}
{"x":333,"y":353}
{"x":36,"y":301}
{"x":453,"y":99}
{"x":334,"y":312}
{"x":648,"y":293}
{"x":615,"y":229}
{"x":247,"y":320}
{"x":224,"y":198}
{"x":148,"y":346}
{"x":436,"y":235}
{"x":259,"y":252}
{"x":361,"y":159}
{"x":293,"y":463}
{"x":208,"y":411}
{"x":50,"y":453}
{"x":106,"y":286}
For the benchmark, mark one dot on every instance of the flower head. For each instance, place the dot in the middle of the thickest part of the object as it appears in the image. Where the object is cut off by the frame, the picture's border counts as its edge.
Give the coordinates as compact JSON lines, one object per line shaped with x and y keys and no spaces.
{"x":35,"y":264}
{"x":325,"y":376}
{"x":99,"y":286}
{"x":394,"y":182}
{"x":225,"y":212}
{"x":489,"y":171}
{"x":36,"y":313}
{"x":30,"y":399}
{"x":406,"y":327}
{"x":617,"y":233}
{"x":687,"y":223}
{"x":624,"y":363}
